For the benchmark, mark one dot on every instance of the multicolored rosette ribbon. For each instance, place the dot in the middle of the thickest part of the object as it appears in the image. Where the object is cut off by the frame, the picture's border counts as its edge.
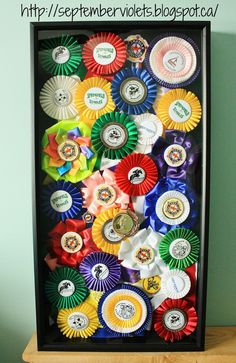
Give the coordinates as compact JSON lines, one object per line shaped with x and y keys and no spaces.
{"x":57,"y":97}
{"x":136,"y":174}
{"x":104,"y":53}
{"x":78,"y":322}
{"x":176,"y":156}
{"x":136,"y":47}
{"x":114,"y":135}
{"x":61,"y":200}
{"x":102,"y":192}
{"x":67,"y":153}
{"x":103,"y":232}
{"x":141,"y":253}
{"x":179,"y":109}
{"x":70,"y":242}
{"x":170,"y":204}
{"x":174,"y":320}
{"x":100,"y":270}
{"x":150,"y":128}
{"x":61,"y":55}
{"x":65,"y":288}
{"x":125,"y":311}
{"x":93,"y":98}
{"x":173,"y":60}
{"x":133,"y":90}
{"x":179,"y":248}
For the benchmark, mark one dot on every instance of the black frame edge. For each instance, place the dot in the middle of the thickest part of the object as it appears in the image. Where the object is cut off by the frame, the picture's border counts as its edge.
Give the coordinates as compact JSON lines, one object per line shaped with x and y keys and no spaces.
{"x":188,"y":25}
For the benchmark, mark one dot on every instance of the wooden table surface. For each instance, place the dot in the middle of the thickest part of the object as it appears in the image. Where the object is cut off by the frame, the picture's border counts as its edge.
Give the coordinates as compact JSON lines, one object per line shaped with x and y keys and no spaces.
{"x":220,"y":348}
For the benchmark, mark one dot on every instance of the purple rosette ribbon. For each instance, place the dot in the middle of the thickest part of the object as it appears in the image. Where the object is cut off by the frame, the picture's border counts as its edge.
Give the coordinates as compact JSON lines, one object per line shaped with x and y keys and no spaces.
{"x":177,"y":155}
{"x":101,"y":271}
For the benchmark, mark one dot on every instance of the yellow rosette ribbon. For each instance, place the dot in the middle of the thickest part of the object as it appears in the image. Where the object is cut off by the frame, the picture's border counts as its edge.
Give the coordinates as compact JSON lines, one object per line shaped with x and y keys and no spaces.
{"x":79,"y":322}
{"x":179,"y":109}
{"x":93,"y":98}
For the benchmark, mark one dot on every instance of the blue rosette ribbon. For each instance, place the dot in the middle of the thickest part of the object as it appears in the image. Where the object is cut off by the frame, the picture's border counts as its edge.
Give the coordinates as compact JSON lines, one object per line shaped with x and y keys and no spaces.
{"x":133,"y":91}
{"x":125,"y":311}
{"x":61,"y":200}
{"x":171,"y":204}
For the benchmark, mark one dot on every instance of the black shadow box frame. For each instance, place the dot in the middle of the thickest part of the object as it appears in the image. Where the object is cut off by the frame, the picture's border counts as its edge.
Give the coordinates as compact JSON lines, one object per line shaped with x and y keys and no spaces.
{"x":49,"y":337}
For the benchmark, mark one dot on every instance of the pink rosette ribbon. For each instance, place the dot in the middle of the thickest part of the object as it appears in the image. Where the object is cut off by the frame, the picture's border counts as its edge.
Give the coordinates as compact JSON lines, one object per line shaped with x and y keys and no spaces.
{"x":102,"y":192}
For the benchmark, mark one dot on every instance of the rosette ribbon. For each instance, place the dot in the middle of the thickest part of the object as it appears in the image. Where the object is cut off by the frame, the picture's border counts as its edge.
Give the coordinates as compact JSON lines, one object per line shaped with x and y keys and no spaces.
{"x":175,"y":284}
{"x":174,"y":320}
{"x":176,"y":156}
{"x":180,"y":248}
{"x":78,"y":322}
{"x":102,"y":192}
{"x":173,"y":60}
{"x":70,"y":242}
{"x":65,"y":288}
{"x":104,"y":53}
{"x":57,"y":97}
{"x":93,"y":98}
{"x":67,"y":153}
{"x":100,"y":270}
{"x":114,"y":135}
{"x":61,"y":55}
{"x":171,"y":204}
{"x":136,"y":174}
{"x":125,"y":311}
{"x":133,"y":90}
{"x":141,"y":253}
{"x":61,"y":200}
{"x":103,"y":232}
{"x":179,"y":109}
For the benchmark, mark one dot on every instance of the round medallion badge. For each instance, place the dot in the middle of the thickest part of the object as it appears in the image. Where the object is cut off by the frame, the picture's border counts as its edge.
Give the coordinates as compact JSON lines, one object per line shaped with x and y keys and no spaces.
{"x":105,"y":194}
{"x":114,"y":135}
{"x":175,"y":155}
{"x":175,"y":320}
{"x":78,"y":321}
{"x":71,"y":242}
{"x":68,"y":150}
{"x":60,"y":54}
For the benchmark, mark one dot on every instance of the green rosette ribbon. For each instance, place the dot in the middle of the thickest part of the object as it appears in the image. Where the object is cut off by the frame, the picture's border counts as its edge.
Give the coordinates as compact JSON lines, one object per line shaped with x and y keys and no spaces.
{"x":179,"y":248}
{"x":65,"y":288}
{"x":71,"y":168}
{"x":114,"y":135}
{"x":61,"y":55}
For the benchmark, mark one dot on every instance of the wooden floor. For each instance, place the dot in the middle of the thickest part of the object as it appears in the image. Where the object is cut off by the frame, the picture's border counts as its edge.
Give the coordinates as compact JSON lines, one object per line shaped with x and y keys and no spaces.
{"x":220,"y":348}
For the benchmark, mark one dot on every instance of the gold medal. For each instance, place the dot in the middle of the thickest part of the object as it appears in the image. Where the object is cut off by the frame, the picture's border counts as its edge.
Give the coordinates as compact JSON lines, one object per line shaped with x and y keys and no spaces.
{"x":125,"y":223}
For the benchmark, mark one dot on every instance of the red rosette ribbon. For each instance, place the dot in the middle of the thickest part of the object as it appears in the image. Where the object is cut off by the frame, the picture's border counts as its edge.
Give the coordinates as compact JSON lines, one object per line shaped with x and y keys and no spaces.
{"x":104,"y":53}
{"x":136,"y":174}
{"x":174,"y":319}
{"x":71,"y":259}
